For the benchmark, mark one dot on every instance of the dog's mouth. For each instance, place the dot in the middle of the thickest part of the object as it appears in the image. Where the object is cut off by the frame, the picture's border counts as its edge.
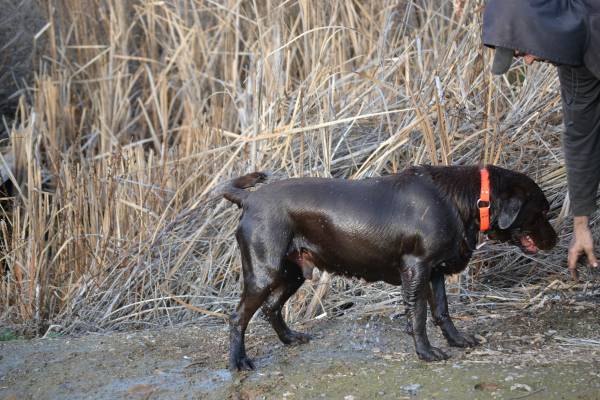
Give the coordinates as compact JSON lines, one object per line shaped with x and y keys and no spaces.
{"x":527,"y":244}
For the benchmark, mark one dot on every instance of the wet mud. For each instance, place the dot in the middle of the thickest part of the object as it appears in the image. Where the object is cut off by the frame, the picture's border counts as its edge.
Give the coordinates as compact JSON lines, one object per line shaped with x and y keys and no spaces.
{"x":552,"y":354}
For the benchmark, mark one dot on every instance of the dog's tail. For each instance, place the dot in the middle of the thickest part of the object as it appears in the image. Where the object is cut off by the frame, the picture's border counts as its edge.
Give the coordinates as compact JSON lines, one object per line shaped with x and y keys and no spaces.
{"x":233,"y":189}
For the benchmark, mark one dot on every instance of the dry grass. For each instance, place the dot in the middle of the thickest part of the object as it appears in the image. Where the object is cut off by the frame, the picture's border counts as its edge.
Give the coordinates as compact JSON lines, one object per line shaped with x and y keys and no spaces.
{"x":140,"y":107}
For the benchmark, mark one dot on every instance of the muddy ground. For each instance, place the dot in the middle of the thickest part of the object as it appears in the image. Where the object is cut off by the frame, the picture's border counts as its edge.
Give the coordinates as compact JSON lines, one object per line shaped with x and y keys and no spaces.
{"x":552,"y":353}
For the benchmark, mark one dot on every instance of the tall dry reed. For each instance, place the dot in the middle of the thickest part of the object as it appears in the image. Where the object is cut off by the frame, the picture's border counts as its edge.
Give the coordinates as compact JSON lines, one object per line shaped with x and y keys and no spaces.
{"x":140,"y":107}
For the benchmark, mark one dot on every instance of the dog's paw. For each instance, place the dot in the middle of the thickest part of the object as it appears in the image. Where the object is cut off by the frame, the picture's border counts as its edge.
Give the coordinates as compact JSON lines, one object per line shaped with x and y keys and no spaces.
{"x":241,"y":364}
{"x":432,"y":354}
{"x":293,"y":338}
{"x":462,"y":340}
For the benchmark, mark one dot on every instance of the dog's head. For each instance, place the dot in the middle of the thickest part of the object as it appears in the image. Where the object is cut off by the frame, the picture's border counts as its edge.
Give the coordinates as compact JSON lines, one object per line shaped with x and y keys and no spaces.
{"x":520,"y":212}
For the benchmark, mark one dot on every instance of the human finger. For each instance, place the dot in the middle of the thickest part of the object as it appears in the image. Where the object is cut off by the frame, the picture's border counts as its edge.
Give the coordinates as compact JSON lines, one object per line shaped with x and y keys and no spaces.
{"x":591,"y":257}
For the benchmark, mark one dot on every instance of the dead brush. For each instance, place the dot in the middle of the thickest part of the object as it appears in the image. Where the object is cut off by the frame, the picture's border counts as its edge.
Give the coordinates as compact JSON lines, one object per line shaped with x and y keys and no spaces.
{"x":140,"y":108}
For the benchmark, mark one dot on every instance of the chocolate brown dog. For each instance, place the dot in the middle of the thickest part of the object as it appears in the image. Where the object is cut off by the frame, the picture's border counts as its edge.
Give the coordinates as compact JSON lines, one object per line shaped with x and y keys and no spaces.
{"x":411,"y":228}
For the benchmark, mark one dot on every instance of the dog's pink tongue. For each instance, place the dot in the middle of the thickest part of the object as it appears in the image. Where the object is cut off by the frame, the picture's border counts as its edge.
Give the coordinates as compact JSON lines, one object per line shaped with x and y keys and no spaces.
{"x":529,"y":244}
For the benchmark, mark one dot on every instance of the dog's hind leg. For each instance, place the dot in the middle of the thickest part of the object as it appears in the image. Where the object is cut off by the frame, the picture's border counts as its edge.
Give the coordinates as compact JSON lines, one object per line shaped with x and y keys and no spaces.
{"x":436,"y":296}
{"x":291,"y":279}
{"x":415,"y":282}
{"x":254,"y":293}
{"x":251,"y":299}
{"x":262,"y":252}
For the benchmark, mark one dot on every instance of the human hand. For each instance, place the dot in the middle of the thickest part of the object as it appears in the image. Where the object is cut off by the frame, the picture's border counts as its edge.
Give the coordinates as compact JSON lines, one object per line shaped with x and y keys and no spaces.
{"x":528,"y":58}
{"x":582,"y":243}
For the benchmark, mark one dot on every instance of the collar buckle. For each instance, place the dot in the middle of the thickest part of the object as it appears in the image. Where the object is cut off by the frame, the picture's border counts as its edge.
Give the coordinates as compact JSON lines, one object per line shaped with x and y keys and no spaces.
{"x":483,"y":204}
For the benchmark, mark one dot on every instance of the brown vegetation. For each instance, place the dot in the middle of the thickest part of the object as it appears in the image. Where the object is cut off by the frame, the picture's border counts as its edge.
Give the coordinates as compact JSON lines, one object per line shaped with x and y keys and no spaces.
{"x":141,"y":107}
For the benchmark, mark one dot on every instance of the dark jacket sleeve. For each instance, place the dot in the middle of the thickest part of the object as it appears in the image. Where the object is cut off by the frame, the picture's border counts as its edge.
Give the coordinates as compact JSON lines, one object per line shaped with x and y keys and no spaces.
{"x":592,"y":53}
{"x":580,"y":91}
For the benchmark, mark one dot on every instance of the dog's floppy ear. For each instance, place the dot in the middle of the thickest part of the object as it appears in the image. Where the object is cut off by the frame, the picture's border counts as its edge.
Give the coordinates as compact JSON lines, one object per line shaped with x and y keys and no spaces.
{"x":508,"y":212}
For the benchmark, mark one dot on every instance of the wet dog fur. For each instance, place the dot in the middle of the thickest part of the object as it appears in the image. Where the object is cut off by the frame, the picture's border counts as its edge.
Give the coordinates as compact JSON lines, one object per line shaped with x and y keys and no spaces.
{"x":408,"y":229}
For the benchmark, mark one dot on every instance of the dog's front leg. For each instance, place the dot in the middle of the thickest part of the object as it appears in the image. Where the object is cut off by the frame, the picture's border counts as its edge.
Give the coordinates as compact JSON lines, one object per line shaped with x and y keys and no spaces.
{"x":415,"y":281}
{"x":439,"y":310}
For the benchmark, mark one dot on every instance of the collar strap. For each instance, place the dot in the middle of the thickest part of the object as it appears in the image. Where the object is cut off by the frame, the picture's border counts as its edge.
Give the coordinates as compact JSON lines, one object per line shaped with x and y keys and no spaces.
{"x":484,"y":201}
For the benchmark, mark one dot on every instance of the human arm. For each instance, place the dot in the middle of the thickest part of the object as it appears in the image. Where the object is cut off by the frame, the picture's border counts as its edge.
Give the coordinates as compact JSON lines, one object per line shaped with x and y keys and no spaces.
{"x":580,"y":92}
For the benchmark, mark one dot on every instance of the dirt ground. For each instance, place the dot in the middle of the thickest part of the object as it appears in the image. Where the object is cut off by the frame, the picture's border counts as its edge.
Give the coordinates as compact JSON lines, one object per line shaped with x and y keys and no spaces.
{"x":549,"y":354}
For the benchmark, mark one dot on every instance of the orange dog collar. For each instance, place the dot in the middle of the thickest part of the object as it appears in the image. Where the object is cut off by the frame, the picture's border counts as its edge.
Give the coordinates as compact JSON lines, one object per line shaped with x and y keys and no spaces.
{"x":484,"y":201}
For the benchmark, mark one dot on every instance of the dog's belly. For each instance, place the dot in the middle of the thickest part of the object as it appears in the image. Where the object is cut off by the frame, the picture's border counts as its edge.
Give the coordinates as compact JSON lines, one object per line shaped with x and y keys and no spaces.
{"x":363,"y":260}
{"x":370,"y":273}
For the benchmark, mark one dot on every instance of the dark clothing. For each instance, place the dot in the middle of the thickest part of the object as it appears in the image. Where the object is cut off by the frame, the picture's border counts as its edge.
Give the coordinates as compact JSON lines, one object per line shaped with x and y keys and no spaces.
{"x":581,"y":140}
{"x":591,"y":58}
{"x":559,"y":31}
{"x":567,"y":33}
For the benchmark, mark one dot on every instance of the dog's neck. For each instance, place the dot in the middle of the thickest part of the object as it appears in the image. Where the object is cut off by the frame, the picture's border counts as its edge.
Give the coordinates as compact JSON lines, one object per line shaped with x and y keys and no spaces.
{"x":462,"y":186}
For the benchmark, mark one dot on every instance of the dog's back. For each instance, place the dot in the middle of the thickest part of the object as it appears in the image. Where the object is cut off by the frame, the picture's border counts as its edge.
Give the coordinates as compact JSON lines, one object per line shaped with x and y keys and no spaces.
{"x":348,"y":225}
